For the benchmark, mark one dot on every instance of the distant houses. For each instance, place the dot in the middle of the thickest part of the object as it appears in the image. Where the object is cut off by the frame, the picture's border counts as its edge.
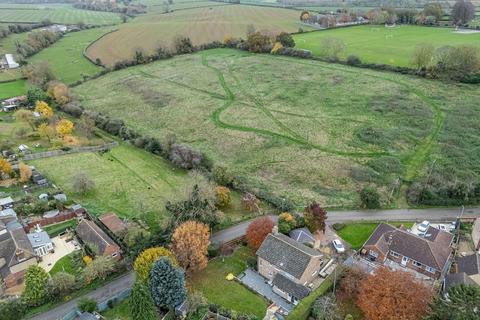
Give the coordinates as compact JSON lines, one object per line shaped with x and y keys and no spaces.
{"x":113,"y":223}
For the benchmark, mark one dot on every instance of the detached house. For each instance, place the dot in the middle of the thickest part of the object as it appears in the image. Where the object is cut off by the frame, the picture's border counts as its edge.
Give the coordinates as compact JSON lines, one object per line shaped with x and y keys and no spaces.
{"x":289,"y":266}
{"x":429,"y":255}
{"x":91,"y":234}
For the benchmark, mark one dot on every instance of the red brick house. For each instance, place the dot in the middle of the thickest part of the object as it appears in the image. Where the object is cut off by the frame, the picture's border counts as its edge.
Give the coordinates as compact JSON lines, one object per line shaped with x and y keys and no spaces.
{"x":90,"y":233}
{"x":429,"y":255}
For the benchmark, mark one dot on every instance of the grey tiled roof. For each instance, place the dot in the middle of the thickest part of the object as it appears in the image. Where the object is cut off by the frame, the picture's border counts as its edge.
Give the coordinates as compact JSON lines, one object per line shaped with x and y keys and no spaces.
{"x":302,"y":235}
{"x":39,"y":239}
{"x":469,"y":264}
{"x":286,"y":285}
{"x":287,"y":254}
{"x":456,"y":279}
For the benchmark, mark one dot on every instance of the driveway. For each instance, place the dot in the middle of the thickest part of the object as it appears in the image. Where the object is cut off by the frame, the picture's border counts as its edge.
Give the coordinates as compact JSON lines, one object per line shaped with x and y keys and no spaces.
{"x":257,"y":283}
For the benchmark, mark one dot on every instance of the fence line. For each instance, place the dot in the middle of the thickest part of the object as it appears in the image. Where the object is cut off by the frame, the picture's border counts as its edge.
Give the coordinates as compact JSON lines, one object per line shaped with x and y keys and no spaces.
{"x":55,"y":153}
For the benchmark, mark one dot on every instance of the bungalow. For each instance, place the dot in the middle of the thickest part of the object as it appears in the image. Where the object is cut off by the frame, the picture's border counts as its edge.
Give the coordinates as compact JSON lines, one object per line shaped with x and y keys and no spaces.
{"x":16,"y":254}
{"x":91,"y":234}
{"x":429,"y":255}
{"x":289,"y":266}
{"x":9,"y":108}
{"x":113,"y":223}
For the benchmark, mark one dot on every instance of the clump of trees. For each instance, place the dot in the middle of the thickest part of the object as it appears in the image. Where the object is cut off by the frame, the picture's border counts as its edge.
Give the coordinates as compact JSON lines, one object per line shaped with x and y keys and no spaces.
{"x":463,"y":11}
{"x":258,"y":42}
{"x":315,"y":217}
{"x":462,"y":303}
{"x":143,"y":263}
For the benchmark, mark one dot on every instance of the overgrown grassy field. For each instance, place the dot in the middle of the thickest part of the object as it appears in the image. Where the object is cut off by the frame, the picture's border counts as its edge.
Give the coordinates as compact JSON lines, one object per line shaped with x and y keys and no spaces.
{"x":12,"y":88}
{"x":202,"y":25}
{"x":128,"y":181}
{"x":66,"y":55}
{"x":300,"y":129}
{"x":233,"y":295}
{"x":57,"y":13}
{"x":377,"y":44}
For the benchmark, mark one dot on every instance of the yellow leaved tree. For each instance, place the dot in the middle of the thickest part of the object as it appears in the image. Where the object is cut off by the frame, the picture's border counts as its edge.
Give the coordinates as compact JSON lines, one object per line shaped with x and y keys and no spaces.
{"x":25,"y":172}
{"x":44,"y":109}
{"x":64,"y":127}
{"x":60,"y":92}
{"x":46,"y":131}
{"x":5,"y":167}
{"x":143,"y":263}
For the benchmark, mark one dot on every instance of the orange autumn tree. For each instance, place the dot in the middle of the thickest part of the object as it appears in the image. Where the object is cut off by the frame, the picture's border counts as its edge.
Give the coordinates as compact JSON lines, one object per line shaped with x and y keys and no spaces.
{"x":60,"y":92}
{"x":258,"y":230}
{"x":25,"y":172}
{"x":393,"y":295}
{"x":190,"y":242}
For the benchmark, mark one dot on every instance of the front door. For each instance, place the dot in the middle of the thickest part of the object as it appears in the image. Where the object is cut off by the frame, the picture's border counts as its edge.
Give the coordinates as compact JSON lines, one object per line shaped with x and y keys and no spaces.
{"x":404,"y":261}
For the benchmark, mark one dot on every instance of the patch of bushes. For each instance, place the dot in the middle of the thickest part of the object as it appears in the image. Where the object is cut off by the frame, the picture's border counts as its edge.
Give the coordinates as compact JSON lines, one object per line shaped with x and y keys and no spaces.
{"x":386,"y":165}
{"x":338,"y":226}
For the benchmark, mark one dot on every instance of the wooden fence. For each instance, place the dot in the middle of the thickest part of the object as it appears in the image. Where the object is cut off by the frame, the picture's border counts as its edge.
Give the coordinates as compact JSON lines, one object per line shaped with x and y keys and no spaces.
{"x":55,"y":153}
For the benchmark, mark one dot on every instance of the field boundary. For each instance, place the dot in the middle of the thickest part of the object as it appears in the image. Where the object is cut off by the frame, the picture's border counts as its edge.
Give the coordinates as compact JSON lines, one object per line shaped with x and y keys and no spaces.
{"x":56,"y":153}
{"x":84,"y":52}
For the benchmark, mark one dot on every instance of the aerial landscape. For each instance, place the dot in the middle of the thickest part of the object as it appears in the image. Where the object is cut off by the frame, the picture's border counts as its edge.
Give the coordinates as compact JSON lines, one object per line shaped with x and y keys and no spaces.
{"x":239,"y":160}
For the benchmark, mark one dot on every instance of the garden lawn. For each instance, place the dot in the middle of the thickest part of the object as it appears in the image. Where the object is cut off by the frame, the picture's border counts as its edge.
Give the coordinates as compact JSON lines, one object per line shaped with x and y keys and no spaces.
{"x":212,"y":284}
{"x":66,"y":55}
{"x":55,"y":229}
{"x":357,"y":233}
{"x":12,"y":88}
{"x":65,"y":264}
{"x":378,"y":44}
{"x":120,"y":311}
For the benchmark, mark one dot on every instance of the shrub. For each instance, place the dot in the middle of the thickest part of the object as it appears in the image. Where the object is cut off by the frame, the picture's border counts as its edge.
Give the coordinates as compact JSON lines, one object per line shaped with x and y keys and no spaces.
{"x":185,"y":157}
{"x":258,"y":42}
{"x":353,"y":60}
{"x":338,"y":226}
{"x":286,"y":40}
{"x":369,"y":198}
{"x":86,"y":304}
{"x":223,"y":196}
{"x":183,"y":45}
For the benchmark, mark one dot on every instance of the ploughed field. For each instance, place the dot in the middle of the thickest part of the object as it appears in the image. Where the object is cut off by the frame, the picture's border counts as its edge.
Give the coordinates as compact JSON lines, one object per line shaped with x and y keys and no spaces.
{"x":300,"y":129}
{"x":56,"y":13}
{"x":379,"y":44}
{"x":201,"y":25}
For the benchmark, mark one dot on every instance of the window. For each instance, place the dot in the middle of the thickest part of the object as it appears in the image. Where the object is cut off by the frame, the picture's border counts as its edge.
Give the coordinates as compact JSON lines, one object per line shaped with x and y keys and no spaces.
{"x":431,"y":270}
{"x":373,"y":253}
{"x":114,"y":254}
{"x":394,"y":254}
{"x":416,"y":263}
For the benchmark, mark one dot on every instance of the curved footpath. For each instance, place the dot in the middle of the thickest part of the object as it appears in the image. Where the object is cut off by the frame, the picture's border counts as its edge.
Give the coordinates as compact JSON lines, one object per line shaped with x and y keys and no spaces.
{"x":236,"y":231}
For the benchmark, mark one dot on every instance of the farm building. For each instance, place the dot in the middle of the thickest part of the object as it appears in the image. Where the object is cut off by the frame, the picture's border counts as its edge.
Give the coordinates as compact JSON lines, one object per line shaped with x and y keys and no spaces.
{"x":6,"y":203}
{"x":9,"y":108}
{"x":9,"y":62}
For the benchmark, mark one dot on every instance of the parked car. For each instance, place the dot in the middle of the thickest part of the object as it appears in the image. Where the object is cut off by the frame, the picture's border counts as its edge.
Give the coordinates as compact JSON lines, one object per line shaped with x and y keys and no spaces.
{"x":453,"y":225}
{"x":422,"y":227}
{"x":338,"y":245}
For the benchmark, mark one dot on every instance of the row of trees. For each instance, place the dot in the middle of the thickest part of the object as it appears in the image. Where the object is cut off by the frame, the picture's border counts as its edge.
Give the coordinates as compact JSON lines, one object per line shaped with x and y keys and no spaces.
{"x":37,"y":41}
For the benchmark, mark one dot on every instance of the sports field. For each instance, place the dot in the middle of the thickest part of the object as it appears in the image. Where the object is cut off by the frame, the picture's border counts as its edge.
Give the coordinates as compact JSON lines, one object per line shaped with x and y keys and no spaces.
{"x":302,"y":129}
{"x":56,"y":13}
{"x":201,"y":25}
{"x":66,"y":55}
{"x":378,"y":44}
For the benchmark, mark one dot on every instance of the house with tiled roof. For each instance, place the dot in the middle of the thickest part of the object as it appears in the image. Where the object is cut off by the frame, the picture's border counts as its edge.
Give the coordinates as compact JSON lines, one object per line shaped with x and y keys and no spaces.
{"x":467,"y":271}
{"x":289,"y":266}
{"x":113,"y":223}
{"x":89,"y":233}
{"x":16,"y":254}
{"x":429,"y":255}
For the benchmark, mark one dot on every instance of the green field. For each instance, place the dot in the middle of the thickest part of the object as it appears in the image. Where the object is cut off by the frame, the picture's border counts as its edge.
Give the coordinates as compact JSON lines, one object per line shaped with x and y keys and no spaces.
{"x":128,"y":181}
{"x":66,"y":55}
{"x":202,"y":25}
{"x":212,"y":284}
{"x":56,"y":13}
{"x":302,"y":129}
{"x":377,"y":44}
{"x":12,"y":88}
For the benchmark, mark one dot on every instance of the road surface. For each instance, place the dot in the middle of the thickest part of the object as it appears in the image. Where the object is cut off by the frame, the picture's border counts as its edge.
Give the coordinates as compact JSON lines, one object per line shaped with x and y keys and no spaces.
{"x":432,"y":214}
{"x":100,"y":294}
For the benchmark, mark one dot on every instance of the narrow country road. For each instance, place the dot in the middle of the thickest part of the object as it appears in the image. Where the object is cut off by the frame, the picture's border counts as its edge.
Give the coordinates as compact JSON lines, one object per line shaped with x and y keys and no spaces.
{"x":433,"y":214}
{"x":126,"y":281}
{"x":100,"y":294}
